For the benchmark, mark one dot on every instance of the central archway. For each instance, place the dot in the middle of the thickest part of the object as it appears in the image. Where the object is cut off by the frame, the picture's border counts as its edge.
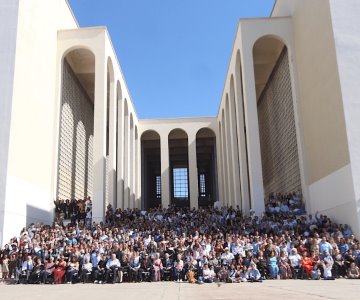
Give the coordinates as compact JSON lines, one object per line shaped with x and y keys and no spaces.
{"x":206,"y":167}
{"x":151,"y":169}
{"x":179,"y":168}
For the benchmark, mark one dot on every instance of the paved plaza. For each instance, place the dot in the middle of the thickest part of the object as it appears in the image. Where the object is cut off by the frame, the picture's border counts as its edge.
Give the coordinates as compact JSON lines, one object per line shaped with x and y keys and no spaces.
{"x":289,"y":289}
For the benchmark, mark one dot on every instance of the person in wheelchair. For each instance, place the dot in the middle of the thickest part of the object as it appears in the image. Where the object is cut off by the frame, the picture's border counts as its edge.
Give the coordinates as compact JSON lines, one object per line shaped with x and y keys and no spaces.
{"x":167,"y":267}
{"x":72,"y":270}
{"x":86,"y":270}
{"x":36,"y":272}
{"x":134,"y":267}
{"x":26,"y":268}
{"x":261,"y":264}
{"x":99,"y":273}
{"x":48,"y":270}
{"x":146,"y":268}
{"x":112,"y":268}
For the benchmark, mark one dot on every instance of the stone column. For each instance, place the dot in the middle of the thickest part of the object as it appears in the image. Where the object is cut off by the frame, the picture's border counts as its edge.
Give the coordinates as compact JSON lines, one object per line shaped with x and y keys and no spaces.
{"x":120,"y":151}
{"x":224,"y":161}
{"x":193,"y":173}
{"x":228,"y":148}
{"x":99,"y":150}
{"x":234,"y":149}
{"x":252,"y":133}
{"x":126,"y":161}
{"x":242,"y":142}
{"x":138,"y":170}
{"x":165,"y":171}
{"x":219,"y":166}
{"x":112,"y":144}
{"x":132,"y":165}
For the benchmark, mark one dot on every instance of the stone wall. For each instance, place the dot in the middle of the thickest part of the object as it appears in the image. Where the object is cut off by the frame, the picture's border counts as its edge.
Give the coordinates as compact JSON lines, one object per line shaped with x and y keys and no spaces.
{"x":279,"y":151}
{"x":75,"y":175}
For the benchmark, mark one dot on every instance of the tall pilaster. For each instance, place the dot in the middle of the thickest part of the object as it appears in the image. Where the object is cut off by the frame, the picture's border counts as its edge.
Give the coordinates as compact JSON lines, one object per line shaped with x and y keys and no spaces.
{"x":225,"y":161}
{"x":242,"y":140}
{"x":193,"y":173}
{"x":126,"y":160}
{"x":228,"y":148}
{"x":165,"y":171}
{"x":252,"y":133}
{"x":99,"y":150}
{"x":220,"y":166}
{"x":132,"y":165}
{"x":112,"y":144}
{"x":234,"y":149}
{"x":120,"y":151}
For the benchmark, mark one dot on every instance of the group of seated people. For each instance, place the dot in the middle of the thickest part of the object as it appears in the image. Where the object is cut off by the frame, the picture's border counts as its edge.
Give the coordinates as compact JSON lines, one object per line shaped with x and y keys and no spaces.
{"x":178,"y":244}
{"x":290,"y":203}
{"x":73,"y":209}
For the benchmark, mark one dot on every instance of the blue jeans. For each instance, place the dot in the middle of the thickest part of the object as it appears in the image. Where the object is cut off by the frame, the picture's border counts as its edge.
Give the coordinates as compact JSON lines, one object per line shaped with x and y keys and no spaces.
{"x":274,"y":271}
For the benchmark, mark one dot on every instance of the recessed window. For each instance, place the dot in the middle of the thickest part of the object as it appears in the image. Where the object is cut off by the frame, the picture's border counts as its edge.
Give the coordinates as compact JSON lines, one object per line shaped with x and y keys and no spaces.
{"x":181,"y":187}
{"x":158,"y":187}
{"x":202,"y":183}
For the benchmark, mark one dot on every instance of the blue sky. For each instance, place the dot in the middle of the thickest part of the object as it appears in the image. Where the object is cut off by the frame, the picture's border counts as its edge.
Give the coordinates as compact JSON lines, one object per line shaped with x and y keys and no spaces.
{"x":174,"y":53}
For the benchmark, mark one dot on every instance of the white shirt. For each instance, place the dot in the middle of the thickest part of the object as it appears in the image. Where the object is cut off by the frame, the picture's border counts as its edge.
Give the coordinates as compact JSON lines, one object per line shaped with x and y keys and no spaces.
{"x":327,"y":272}
{"x":111,"y":263}
{"x":294,"y":260}
{"x":27,"y":265}
{"x":228,"y":257}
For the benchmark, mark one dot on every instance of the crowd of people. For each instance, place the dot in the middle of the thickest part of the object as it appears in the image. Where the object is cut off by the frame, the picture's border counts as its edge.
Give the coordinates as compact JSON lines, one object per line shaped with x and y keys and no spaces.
{"x":73,"y":209}
{"x":178,"y":244}
{"x":290,"y":203}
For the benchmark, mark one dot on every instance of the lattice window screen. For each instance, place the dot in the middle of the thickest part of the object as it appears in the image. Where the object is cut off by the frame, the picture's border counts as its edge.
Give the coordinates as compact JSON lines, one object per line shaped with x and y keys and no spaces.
{"x":75,"y":171}
{"x":279,"y":152}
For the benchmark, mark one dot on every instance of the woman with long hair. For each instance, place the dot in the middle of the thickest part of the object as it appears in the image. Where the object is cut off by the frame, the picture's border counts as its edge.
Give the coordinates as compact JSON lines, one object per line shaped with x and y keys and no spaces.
{"x":59,"y":272}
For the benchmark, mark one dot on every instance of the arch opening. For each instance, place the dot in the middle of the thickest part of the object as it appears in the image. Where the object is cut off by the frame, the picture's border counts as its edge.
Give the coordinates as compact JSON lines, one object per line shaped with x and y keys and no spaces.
{"x":276,"y":118}
{"x":76,"y":128}
{"x":179,"y":168}
{"x":206,"y":167}
{"x":150,"y":169}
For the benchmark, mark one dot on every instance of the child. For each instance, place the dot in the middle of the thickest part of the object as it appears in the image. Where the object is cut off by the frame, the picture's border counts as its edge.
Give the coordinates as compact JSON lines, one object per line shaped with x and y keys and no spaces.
{"x":253,"y":273}
{"x":5,"y":267}
{"x":191,"y":275}
{"x":327,"y":271}
{"x":315,"y":273}
{"x":243,"y":274}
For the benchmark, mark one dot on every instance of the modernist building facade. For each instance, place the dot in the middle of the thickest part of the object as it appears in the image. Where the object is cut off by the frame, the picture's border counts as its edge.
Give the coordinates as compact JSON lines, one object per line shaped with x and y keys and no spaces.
{"x":288,"y":119}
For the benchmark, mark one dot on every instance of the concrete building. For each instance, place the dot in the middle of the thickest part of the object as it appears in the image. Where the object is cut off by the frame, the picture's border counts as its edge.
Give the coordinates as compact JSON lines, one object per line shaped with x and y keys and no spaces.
{"x":288,"y":118}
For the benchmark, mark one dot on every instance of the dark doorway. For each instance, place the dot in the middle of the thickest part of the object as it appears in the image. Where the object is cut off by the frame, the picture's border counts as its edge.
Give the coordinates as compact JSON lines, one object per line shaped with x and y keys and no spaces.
{"x":150,"y":170}
{"x":206,"y":166}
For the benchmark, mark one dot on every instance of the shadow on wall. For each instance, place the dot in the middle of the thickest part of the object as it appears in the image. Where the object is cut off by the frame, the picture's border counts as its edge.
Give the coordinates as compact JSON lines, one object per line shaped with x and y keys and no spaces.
{"x":120,"y":193}
{"x":37,"y":215}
